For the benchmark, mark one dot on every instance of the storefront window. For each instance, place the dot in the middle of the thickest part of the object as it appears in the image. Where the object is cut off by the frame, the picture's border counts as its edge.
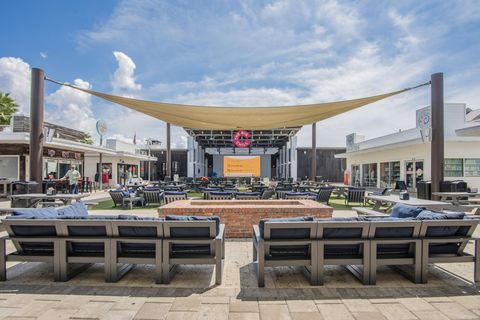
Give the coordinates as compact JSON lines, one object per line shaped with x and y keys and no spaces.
{"x":126,"y":172}
{"x":9,"y":167}
{"x":51,"y":169}
{"x":389,"y":173}
{"x":472,"y":167}
{"x":453,"y":168}
{"x":370,"y":175}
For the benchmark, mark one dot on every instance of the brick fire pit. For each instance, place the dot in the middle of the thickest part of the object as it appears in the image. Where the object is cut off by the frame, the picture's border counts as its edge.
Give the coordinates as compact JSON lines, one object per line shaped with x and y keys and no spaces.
{"x":239,"y":215}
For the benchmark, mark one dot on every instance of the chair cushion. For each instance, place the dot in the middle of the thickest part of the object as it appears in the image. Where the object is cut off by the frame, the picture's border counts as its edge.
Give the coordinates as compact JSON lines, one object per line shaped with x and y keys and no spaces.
{"x":342,"y":250}
{"x":289,"y":251}
{"x":174,"y":193}
{"x":249,"y":194}
{"x":342,"y":233}
{"x":192,"y":232}
{"x":77,"y":209}
{"x":136,"y":249}
{"x":151,"y":189}
{"x":401,"y":210}
{"x":137,"y":231}
{"x":34,"y":213}
{"x":287,"y":233}
{"x":442,"y":231}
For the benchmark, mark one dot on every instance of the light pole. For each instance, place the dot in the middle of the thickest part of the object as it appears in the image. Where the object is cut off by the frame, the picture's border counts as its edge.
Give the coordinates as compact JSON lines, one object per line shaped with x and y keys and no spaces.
{"x":149,"y":143}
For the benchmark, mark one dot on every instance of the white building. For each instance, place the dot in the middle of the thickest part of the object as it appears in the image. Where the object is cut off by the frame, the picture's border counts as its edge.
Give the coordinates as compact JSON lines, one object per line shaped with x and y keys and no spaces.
{"x":405,"y":155}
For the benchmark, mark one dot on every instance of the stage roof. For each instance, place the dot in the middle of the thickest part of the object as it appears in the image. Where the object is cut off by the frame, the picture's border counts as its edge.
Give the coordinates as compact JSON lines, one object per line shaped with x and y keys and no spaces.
{"x":275,"y":138}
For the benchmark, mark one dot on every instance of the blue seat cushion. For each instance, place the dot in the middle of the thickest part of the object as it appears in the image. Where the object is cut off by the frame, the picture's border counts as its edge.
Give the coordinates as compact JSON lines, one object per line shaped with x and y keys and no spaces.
{"x":77,"y":209}
{"x":401,"y":210}
{"x":37,"y":248}
{"x":287,"y":233}
{"x":192,"y":232}
{"x":343,"y":250}
{"x":87,"y":249}
{"x":34,"y":213}
{"x":174,"y":193}
{"x":342,"y":232}
{"x":443,"y":231}
{"x":444,"y":248}
{"x":296,"y":194}
{"x":136,"y":249}
{"x":221,"y":193}
{"x":250,"y":194}
{"x":152,"y":189}
{"x":137,"y":231}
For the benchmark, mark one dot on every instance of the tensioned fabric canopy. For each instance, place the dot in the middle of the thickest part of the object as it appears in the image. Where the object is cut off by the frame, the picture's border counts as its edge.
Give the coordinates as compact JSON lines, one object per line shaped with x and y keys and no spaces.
{"x":232,"y":118}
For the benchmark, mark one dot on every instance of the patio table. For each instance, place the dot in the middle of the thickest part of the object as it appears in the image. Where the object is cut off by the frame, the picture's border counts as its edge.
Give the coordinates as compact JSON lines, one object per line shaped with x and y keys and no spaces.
{"x":454,"y":197}
{"x":37,"y":197}
{"x":394,"y":199}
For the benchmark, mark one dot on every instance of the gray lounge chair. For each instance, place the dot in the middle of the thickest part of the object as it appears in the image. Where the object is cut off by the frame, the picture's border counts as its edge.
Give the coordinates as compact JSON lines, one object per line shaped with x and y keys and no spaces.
{"x":344,"y":243}
{"x":192,"y":242}
{"x":298,"y":196}
{"x":395,"y":243}
{"x":152,"y":196}
{"x":287,"y":242}
{"x":444,"y":241}
{"x":356,"y":195}
{"x":171,"y":197}
{"x":267,"y":194}
{"x":324,"y":194}
{"x":119,"y":198}
{"x":220,"y":196}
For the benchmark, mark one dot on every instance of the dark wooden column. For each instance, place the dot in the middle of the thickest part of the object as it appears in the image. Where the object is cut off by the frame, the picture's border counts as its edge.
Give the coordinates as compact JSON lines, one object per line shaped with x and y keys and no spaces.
{"x":36,"y":126}
{"x":169,"y":152}
{"x":313,"y":173}
{"x":437,"y":145}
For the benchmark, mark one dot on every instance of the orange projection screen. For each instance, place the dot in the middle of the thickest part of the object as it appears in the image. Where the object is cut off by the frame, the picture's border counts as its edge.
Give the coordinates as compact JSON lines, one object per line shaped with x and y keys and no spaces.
{"x":241,"y":166}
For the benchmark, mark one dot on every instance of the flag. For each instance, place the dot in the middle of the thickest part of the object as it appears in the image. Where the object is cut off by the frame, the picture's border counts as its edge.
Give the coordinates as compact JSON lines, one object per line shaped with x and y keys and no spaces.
{"x":135,"y":138}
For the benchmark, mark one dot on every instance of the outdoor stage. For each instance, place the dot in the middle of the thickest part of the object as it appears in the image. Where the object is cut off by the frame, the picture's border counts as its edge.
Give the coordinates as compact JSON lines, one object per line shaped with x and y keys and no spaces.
{"x":239,"y":215}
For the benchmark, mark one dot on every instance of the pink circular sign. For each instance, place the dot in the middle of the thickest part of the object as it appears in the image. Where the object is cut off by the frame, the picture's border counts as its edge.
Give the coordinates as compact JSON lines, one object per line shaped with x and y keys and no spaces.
{"x":241,"y":139}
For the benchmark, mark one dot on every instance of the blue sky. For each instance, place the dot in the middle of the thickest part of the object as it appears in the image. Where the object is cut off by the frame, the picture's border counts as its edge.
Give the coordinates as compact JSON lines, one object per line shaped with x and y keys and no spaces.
{"x":241,"y":53}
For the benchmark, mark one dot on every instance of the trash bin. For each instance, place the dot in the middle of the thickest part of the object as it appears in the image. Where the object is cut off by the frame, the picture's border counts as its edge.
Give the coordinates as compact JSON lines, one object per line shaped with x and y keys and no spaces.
{"x":424,"y":190}
{"x":22,"y":187}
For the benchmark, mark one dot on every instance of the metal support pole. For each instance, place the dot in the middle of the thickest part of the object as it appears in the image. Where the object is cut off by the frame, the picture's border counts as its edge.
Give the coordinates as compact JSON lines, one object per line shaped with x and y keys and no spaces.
{"x":36,"y":126}
{"x":169,"y":153}
{"x":100,"y":167}
{"x":437,"y":146}
{"x":314,"y":152}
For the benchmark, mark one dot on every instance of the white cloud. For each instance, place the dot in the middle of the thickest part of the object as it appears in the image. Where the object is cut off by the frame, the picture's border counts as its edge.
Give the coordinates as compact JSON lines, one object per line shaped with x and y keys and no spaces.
{"x":124,"y":77}
{"x":72,"y":108}
{"x":15,"y":79}
{"x":44,"y":55}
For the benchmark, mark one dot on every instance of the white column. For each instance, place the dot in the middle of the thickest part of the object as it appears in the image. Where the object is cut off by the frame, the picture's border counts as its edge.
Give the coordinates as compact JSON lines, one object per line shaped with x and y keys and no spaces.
{"x":190,"y":157}
{"x":293,"y":148}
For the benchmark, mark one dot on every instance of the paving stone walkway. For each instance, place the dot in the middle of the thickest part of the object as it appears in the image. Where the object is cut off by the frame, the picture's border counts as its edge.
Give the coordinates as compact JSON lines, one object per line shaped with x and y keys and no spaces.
{"x":30,"y":293}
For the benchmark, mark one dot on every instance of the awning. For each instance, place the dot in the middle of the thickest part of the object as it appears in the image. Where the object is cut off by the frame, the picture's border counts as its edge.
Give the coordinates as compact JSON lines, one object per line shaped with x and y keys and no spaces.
{"x":232,"y":118}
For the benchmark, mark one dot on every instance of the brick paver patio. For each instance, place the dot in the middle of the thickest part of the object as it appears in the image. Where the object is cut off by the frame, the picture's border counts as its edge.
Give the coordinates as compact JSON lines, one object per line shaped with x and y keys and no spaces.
{"x":30,"y":293}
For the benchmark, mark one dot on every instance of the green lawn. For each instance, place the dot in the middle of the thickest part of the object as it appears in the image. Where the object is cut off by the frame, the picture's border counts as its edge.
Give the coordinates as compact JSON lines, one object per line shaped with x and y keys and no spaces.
{"x":336,"y":203}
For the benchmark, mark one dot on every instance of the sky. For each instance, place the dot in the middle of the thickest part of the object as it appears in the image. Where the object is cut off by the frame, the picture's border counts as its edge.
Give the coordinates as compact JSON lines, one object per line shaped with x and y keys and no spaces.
{"x":240,"y":53}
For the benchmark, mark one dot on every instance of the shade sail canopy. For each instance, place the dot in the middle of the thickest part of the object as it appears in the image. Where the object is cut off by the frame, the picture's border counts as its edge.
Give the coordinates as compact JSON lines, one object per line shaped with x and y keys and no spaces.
{"x":232,"y":118}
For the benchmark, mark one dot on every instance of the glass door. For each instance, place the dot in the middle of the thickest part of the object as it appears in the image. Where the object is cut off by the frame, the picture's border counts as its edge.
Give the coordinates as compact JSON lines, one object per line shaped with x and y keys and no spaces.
{"x":413,"y":173}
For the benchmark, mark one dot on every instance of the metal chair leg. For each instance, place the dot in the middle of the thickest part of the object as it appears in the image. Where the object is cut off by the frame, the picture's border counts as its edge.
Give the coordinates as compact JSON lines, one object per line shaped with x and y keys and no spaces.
{"x":261,"y":264}
{"x":373,"y":263}
{"x":425,"y":254}
{"x":320,"y":262}
{"x":158,"y":262}
{"x":218,"y":262}
{"x":418,"y":262}
{"x":3,"y":259}
{"x":166,"y":262}
{"x":476,"y":263}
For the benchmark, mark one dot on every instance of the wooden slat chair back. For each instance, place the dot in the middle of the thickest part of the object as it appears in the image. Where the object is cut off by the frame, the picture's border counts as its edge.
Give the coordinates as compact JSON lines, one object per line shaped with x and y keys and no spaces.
{"x":117,"y":198}
{"x":174,"y":197}
{"x":220,"y":196}
{"x":248,"y":196}
{"x":324,"y":194}
{"x":153,"y":196}
{"x":355,"y":195}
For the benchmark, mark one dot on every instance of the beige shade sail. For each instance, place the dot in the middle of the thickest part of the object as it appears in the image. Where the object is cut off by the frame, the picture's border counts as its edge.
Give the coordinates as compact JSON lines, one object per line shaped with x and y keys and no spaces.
{"x":232,"y":118}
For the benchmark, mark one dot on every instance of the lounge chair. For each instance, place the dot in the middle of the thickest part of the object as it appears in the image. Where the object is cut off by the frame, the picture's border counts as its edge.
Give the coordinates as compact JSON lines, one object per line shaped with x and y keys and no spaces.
{"x":171,"y":196}
{"x":356,"y":195}
{"x":344,"y":242}
{"x":267,"y":194}
{"x":395,"y":242}
{"x":220,"y":195}
{"x":286,"y":242}
{"x":324,"y":194}
{"x":123,"y":198}
{"x":193,"y":240}
{"x":444,"y":241}
{"x":281,"y":192}
{"x":152,"y":195}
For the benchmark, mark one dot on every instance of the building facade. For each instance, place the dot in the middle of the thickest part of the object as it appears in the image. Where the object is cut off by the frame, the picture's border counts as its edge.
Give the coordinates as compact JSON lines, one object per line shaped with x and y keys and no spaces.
{"x":405,"y":155}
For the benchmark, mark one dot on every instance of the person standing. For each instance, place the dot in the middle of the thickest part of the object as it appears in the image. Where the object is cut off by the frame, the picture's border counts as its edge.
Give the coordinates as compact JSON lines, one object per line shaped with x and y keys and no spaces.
{"x":72,"y":175}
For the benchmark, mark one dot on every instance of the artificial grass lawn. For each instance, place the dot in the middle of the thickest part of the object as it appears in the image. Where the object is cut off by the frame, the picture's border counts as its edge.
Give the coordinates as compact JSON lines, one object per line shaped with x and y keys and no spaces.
{"x":335,"y":203}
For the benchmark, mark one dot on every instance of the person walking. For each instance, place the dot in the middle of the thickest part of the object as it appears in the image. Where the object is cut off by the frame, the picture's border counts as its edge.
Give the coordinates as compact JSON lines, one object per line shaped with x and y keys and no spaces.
{"x":72,"y":175}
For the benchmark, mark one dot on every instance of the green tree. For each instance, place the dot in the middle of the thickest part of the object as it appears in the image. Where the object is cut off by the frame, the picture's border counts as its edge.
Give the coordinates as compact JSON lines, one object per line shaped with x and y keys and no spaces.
{"x":8,"y":107}
{"x":88,"y":138}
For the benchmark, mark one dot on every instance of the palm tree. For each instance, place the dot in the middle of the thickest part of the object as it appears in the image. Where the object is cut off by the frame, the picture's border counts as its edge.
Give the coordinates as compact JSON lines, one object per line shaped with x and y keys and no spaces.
{"x":8,"y":107}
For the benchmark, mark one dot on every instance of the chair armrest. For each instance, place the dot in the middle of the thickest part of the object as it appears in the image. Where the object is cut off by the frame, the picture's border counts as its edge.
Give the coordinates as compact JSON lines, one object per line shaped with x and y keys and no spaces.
{"x":256,"y":233}
{"x":221,"y":232}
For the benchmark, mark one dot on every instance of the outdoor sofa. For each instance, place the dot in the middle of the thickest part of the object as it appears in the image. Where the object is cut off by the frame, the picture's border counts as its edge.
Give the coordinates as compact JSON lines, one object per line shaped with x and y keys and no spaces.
{"x":72,"y":240}
{"x":411,"y":238}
